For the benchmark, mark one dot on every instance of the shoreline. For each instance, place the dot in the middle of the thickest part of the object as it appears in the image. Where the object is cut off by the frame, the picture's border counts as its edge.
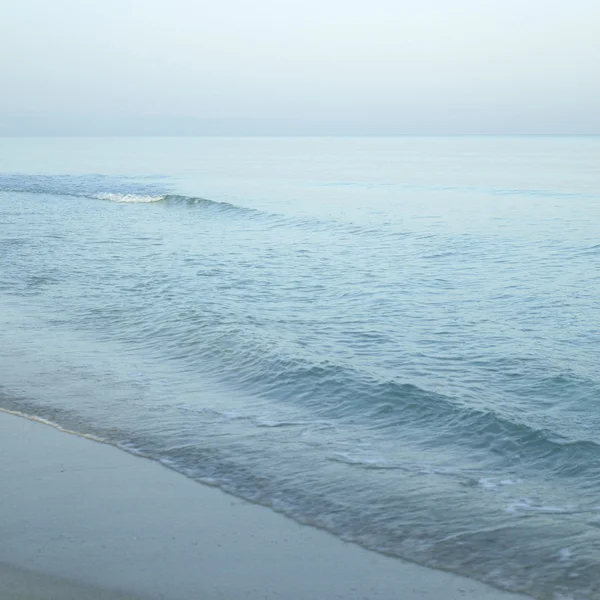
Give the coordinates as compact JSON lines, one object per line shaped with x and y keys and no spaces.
{"x":94,"y":521}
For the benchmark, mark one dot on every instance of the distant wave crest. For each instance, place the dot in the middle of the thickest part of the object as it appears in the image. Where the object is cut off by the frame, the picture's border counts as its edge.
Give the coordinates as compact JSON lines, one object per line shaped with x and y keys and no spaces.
{"x":128,"y":190}
{"x":101,"y":187}
{"x":131,"y":198}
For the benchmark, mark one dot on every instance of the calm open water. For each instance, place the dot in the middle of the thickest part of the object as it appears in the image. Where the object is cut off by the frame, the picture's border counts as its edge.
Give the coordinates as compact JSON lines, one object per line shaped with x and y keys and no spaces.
{"x":395,"y":339}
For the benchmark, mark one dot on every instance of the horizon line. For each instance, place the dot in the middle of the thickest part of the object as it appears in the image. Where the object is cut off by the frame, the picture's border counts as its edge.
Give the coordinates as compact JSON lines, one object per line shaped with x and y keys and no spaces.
{"x":262,"y":135}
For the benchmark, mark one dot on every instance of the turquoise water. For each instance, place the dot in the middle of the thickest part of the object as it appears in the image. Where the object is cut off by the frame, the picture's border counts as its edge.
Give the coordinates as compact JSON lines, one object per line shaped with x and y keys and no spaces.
{"x":395,"y":339}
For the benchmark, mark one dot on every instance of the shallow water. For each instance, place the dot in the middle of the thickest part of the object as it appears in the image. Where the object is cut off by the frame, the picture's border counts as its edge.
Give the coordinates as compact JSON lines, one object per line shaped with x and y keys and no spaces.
{"x":395,"y":339}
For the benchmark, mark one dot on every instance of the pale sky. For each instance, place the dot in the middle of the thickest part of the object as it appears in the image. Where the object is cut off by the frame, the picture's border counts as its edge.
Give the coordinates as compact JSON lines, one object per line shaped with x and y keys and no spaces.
{"x":290,"y":66}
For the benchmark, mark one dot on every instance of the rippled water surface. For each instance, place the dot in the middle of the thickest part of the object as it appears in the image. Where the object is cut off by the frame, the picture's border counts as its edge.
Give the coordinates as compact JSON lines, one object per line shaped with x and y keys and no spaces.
{"x":395,"y":339}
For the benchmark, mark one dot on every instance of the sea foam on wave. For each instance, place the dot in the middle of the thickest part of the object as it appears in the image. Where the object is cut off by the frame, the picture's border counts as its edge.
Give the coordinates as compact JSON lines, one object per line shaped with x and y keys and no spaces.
{"x":132,"y":198}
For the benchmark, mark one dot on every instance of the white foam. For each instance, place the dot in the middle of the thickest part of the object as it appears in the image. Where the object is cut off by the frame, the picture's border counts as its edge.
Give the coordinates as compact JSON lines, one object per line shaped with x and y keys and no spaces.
{"x":565,"y":554}
{"x":232,"y":415}
{"x":377,"y":462}
{"x":595,"y":519}
{"x":489,"y":483}
{"x":525,"y":505}
{"x":131,"y":198}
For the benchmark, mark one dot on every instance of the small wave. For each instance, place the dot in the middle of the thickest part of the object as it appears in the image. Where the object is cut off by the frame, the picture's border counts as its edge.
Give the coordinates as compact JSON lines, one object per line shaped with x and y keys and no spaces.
{"x":130,"y":190}
{"x":365,"y":462}
{"x":267,"y":422}
{"x":105,"y":187}
{"x":342,"y":394}
{"x":153,"y":190}
{"x":211,"y":204}
{"x":132,"y":198}
{"x":490,"y":483}
{"x":524,"y":505}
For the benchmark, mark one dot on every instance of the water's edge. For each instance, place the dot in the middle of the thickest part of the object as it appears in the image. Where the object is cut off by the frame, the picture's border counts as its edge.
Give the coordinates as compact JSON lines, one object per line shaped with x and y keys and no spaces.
{"x":141,"y":455}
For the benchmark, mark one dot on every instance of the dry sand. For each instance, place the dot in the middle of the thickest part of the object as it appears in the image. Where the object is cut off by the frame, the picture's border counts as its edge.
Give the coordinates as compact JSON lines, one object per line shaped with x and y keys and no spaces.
{"x":83,"y":520}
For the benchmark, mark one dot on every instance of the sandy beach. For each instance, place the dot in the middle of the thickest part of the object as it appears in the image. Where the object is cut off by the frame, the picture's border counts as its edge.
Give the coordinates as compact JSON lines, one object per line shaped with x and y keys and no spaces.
{"x":81,"y":519}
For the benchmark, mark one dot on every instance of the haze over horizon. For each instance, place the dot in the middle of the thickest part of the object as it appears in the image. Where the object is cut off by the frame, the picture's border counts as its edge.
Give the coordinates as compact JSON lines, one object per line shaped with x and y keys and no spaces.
{"x":152,"y":67}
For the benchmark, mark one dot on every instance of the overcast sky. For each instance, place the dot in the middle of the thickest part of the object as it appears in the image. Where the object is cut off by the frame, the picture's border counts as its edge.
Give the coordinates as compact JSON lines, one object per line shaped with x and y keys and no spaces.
{"x":299,"y":66}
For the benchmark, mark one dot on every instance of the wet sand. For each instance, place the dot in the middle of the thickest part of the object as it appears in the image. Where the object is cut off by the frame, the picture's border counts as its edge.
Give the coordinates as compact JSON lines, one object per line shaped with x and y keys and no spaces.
{"x":85,"y":520}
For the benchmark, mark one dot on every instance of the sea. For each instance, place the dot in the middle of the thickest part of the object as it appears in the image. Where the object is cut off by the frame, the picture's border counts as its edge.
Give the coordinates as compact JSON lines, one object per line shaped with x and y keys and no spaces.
{"x":395,"y":339}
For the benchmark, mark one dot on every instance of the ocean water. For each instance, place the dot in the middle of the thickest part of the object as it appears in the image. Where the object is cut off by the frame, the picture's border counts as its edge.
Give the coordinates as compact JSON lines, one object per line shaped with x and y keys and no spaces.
{"x":394,"y":339}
